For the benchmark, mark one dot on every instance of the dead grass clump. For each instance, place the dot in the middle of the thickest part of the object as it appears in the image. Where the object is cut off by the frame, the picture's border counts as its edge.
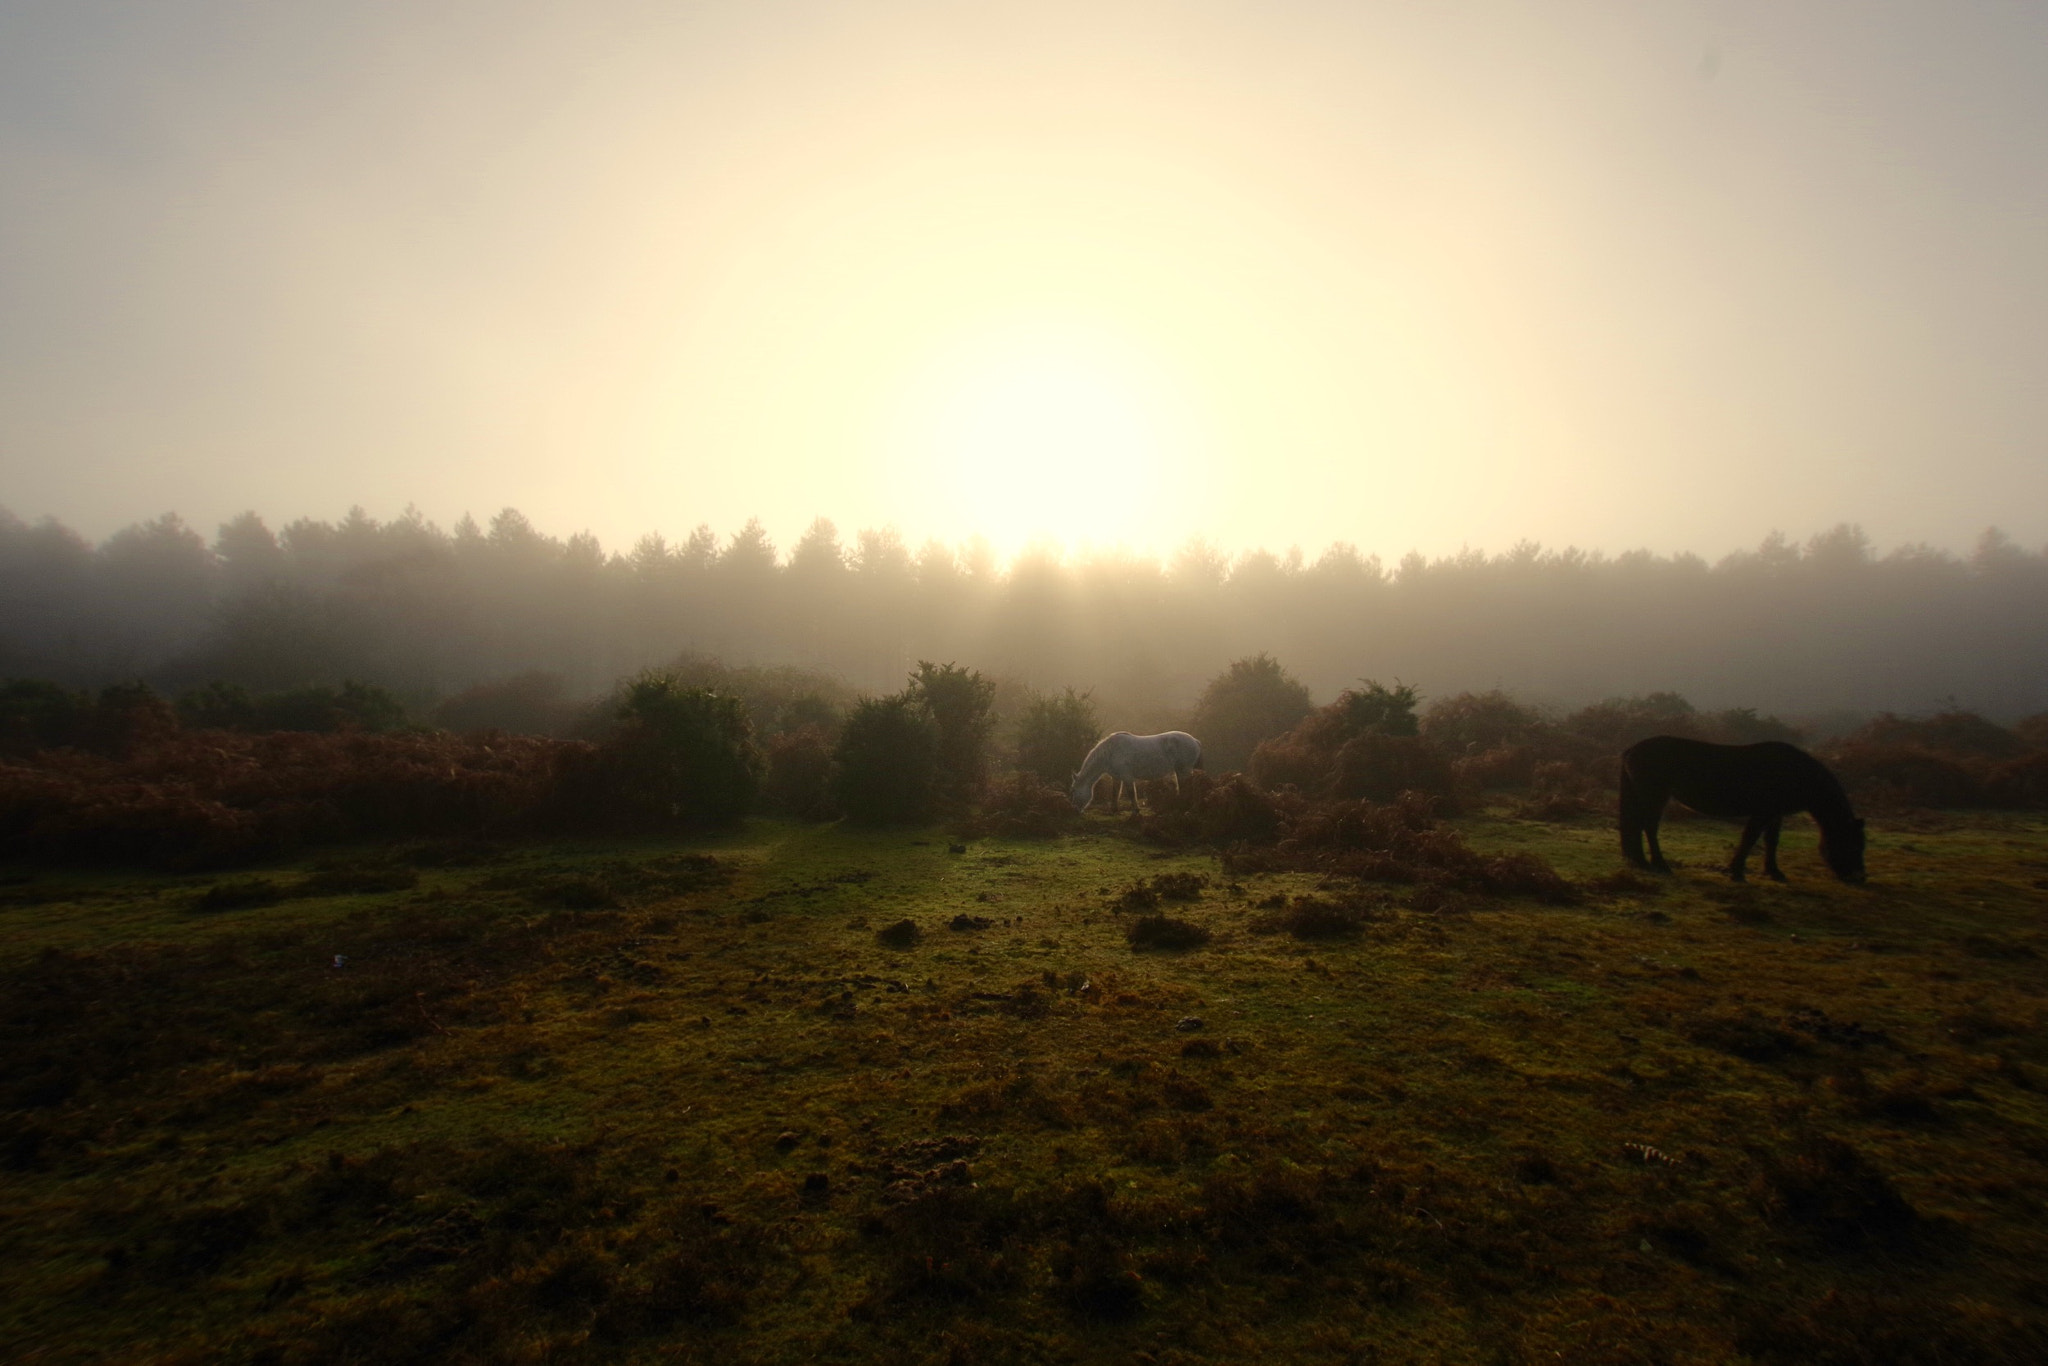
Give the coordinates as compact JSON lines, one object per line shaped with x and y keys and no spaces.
{"x":1747,"y":1035}
{"x":241,"y":895}
{"x":1829,"y":1191}
{"x":1165,"y":932}
{"x":1139,"y":896}
{"x":1399,"y":841}
{"x":901,"y":935}
{"x":1844,"y":1327}
{"x":358,"y":879}
{"x":1560,"y":791}
{"x":1506,"y":766}
{"x":1312,"y":917}
{"x":1180,"y":886}
{"x":951,"y":1243}
{"x":1893,"y":776}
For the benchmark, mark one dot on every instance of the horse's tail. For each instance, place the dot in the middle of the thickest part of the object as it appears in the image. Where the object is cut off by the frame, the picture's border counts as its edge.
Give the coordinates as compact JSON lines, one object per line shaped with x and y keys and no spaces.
{"x":1631,"y":815}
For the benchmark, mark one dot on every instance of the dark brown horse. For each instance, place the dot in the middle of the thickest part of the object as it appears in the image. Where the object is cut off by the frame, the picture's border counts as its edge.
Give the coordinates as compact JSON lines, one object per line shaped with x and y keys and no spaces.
{"x":1761,"y":783}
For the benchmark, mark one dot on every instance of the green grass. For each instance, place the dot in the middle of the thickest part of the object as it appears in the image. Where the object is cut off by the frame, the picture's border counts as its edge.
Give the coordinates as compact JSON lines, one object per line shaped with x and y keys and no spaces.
{"x":613,"y":1102}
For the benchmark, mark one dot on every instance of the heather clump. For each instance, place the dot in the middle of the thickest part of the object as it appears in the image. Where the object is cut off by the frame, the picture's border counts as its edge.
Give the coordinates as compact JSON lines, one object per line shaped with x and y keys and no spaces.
{"x":211,"y":799}
{"x":1401,"y":842}
{"x":1315,"y":917}
{"x":1954,"y":759}
{"x":1471,"y":723}
{"x":1021,"y":807}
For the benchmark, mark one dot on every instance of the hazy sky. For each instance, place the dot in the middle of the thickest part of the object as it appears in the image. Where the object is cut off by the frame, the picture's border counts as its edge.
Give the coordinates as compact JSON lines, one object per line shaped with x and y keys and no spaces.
{"x":1408,"y":275}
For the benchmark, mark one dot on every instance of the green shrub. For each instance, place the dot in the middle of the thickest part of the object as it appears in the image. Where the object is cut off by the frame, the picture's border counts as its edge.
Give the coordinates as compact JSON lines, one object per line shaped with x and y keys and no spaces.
{"x":799,"y":781}
{"x":886,"y":766}
{"x":1055,"y":735}
{"x":680,"y":753}
{"x":1619,"y":722}
{"x":532,"y":703}
{"x":1253,"y":700}
{"x":960,"y":703}
{"x":1380,"y":768}
{"x":38,"y":715}
{"x":1382,"y":710}
{"x":1475,"y":722}
{"x":320,"y":709}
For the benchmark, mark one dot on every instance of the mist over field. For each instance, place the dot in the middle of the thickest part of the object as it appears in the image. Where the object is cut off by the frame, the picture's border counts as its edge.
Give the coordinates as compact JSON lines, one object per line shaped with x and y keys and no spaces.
{"x":1821,"y":630}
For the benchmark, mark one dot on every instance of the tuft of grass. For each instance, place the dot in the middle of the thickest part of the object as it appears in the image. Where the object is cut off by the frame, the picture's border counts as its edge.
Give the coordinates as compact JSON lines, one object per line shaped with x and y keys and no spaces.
{"x":1165,"y":932}
{"x":1314,"y":917}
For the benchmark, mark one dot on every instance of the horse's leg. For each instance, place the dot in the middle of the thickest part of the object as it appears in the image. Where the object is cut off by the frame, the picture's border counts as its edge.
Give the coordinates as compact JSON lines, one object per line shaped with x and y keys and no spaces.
{"x":1738,"y":869}
{"x":1631,"y":823}
{"x":1772,"y":825}
{"x":1653,"y":816}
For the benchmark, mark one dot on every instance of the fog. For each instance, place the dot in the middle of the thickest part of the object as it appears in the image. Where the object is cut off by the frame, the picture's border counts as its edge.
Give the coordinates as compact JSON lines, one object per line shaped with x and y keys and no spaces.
{"x":1814,"y":631}
{"x":1412,"y":277}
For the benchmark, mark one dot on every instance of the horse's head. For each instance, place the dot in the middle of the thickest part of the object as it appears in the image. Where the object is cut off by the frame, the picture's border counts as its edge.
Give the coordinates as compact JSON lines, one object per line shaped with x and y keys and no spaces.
{"x":1843,"y":849}
{"x":1080,"y":793}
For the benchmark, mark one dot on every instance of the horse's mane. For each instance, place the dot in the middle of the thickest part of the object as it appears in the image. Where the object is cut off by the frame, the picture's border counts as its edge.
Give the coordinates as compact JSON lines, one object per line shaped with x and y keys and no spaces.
{"x":1100,"y":745}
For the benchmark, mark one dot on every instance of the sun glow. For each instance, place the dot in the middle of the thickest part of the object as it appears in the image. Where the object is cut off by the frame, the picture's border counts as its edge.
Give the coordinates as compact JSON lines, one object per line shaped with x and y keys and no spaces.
{"x":1045,"y":432}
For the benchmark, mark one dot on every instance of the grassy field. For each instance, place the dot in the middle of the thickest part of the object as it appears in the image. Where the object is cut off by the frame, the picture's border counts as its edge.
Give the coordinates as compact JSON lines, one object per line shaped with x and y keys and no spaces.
{"x":713,"y":1101}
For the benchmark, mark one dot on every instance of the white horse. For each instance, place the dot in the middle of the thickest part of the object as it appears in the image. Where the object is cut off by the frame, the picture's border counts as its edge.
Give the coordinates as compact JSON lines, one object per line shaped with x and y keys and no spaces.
{"x":1133,"y":759}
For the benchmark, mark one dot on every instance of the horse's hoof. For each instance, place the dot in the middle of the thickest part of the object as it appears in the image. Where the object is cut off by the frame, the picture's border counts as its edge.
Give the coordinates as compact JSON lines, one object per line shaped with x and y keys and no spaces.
{"x":1737,"y":875}
{"x":1777,"y":877}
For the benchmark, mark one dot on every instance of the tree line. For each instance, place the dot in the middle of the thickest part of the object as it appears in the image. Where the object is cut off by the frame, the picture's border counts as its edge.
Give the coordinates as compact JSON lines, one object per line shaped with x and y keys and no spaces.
{"x":1829,"y":625}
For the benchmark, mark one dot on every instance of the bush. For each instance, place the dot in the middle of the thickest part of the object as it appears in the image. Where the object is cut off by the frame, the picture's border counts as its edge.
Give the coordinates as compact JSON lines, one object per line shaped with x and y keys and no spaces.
{"x":220,"y":798}
{"x":1055,"y":735}
{"x":680,"y":754}
{"x":960,"y":703}
{"x":526,"y":704}
{"x":1382,"y":767}
{"x":1381,"y":710}
{"x":1959,"y":734}
{"x":1909,"y":776}
{"x":354,"y":706}
{"x":885,"y":769}
{"x":1022,"y":807}
{"x":1253,"y":700}
{"x":1474,"y":723}
{"x":799,"y":781}
{"x":1619,"y":722}
{"x":1362,"y":745}
{"x":1504,"y":766}
{"x":36,"y":715}
{"x":1742,"y":726}
{"x":777,"y":697}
